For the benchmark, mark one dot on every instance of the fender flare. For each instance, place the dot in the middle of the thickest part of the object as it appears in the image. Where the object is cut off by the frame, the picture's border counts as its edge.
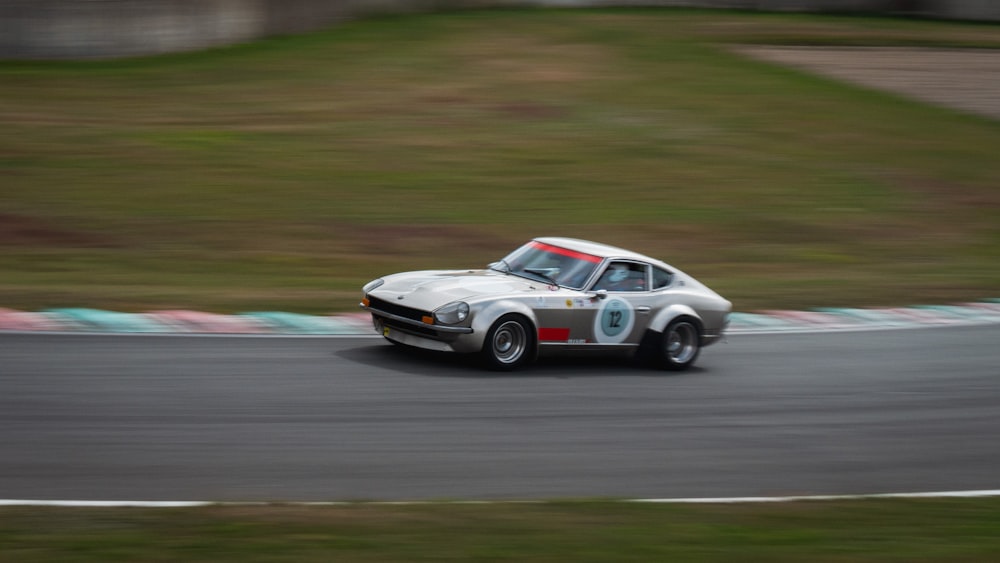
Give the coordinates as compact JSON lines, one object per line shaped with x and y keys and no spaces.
{"x":665,"y":317}
{"x":651,"y":338}
{"x":485,"y":317}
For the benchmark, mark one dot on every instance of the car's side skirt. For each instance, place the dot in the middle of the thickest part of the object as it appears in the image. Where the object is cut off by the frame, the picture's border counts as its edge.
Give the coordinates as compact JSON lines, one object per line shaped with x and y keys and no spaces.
{"x":586,"y":346}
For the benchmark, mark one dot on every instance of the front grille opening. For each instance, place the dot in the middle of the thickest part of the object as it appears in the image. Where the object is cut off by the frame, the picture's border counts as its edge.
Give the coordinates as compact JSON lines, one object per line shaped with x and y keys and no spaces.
{"x":412,"y":329}
{"x":394,"y":309}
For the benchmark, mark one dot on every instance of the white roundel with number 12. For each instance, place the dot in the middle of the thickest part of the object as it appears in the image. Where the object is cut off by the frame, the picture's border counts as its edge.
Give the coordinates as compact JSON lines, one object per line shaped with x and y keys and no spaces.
{"x":614,"y":321}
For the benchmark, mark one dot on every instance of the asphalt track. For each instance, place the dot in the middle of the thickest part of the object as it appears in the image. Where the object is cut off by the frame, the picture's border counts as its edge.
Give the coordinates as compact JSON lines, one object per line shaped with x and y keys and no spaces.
{"x":324,"y":419}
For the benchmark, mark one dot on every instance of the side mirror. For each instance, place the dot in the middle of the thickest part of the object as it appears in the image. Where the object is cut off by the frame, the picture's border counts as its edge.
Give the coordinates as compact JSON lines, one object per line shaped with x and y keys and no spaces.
{"x":600,"y":294}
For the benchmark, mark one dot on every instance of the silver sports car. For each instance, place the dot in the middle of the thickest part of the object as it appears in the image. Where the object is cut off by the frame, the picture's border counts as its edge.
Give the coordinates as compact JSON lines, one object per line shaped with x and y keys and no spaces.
{"x":552,"y":293}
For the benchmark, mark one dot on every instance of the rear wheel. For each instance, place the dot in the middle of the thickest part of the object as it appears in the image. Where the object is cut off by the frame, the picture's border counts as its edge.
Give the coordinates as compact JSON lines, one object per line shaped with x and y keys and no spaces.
{"x":509,"y":343}
{"x":680,"y":345}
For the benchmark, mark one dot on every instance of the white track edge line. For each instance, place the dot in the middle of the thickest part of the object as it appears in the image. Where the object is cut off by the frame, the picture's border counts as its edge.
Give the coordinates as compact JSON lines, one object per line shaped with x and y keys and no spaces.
{"x":724,"y":500}
{"x":705,"y":500}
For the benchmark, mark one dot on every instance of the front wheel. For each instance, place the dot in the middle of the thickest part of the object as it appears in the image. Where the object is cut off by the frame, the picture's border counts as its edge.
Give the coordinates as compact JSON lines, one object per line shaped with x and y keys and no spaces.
{"x":509,"y":343}
{"x":680,"y":345}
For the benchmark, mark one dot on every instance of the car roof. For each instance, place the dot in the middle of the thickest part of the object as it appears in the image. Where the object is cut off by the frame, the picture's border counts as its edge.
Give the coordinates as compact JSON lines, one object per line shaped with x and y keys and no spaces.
{"x":598,"y":249}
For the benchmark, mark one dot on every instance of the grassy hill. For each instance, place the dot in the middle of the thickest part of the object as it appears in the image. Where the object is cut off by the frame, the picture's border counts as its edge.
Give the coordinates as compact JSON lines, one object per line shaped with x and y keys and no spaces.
{"x":286,"y":173}
{"x":871,"y":530}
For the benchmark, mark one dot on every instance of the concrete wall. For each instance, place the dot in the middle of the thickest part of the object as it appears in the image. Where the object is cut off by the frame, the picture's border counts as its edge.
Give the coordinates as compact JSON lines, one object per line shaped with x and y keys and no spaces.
{"x":67,"y":29}
{"x":116,"y":28}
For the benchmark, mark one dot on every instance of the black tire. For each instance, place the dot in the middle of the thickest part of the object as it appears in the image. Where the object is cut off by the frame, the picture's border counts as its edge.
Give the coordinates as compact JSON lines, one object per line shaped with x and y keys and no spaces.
{"x":680,"y":344}
{"x":509,"y":344}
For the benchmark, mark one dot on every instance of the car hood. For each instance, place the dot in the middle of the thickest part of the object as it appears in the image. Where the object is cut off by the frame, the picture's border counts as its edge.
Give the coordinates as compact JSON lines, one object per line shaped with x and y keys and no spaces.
{"x":431,"y":289}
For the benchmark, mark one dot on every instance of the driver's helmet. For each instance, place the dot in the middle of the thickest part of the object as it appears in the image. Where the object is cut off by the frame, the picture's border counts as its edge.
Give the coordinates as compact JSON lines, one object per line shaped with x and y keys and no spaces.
{"x":617,"y":273}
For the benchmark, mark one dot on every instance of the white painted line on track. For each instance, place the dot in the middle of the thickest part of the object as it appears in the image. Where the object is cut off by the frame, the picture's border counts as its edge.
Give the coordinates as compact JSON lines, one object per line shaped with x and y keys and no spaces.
{"x":706,"y":500}
{"x":726,"y":500}
{"x":104,"y":503}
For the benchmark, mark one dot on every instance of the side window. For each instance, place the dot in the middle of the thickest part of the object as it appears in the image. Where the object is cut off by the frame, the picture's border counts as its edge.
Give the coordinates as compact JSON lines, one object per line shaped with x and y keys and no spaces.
{"x":661,"y":278}
{"x":623,"y":276}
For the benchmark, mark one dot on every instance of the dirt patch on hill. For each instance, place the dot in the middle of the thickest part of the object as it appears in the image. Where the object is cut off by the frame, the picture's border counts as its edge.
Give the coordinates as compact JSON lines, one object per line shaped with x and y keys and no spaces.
{"x":22,"y":230}
{"x":963,"y":79}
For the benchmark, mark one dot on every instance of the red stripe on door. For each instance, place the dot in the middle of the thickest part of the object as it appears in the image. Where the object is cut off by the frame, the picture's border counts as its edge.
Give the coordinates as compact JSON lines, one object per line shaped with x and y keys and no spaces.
{"x":553,"y":334}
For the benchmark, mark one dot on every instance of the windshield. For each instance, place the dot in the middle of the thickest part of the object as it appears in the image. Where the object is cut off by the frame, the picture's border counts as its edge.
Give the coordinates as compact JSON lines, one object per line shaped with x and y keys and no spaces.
{"x":547,"y":263}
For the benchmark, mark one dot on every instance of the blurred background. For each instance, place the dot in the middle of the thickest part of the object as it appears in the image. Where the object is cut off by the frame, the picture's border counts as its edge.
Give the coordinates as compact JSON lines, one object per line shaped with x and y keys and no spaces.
{"x":266,"y":155}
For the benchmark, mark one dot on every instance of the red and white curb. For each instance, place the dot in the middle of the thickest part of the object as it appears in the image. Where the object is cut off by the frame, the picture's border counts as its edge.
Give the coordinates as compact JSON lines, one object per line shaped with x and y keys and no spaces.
{"x":845,"y":319}
{"x":79,"y":320}
{"x":183,"y":322}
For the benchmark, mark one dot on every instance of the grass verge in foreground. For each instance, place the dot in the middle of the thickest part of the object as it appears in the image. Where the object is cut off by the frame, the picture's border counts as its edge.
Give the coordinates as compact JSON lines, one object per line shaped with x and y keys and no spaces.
{"x":286,"y":173}
{"x":855,"y":530}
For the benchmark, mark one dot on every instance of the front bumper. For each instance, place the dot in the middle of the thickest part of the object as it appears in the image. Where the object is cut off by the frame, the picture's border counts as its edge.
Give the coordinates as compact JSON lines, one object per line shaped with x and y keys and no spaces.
{"x":411,"y":332}
{"x":419,"y":326}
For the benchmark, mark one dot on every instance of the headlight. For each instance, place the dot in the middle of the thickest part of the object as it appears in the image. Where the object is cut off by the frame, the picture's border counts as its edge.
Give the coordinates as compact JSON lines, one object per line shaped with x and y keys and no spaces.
{"x":452,"y":313}
{"x":372,"y":285}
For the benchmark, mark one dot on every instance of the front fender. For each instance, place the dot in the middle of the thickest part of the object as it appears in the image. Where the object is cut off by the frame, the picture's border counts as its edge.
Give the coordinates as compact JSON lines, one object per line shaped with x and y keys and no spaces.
{"x":484,"y":318}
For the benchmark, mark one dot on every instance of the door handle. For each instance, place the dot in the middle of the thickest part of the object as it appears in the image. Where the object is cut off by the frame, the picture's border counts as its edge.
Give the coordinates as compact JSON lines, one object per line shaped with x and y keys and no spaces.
{"x":642,"y":310}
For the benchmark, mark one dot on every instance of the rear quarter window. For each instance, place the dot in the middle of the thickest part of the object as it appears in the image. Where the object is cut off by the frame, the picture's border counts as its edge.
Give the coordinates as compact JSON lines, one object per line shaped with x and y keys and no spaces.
{"x":661,"y":278}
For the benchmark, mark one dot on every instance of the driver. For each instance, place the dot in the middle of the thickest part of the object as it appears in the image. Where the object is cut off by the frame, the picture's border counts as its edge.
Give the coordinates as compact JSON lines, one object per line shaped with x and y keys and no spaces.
{"x":616,"y":278}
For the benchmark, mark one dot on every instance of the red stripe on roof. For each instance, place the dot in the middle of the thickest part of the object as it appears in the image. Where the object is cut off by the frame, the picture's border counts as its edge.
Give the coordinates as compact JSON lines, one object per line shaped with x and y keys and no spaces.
{"x":565,"y":252}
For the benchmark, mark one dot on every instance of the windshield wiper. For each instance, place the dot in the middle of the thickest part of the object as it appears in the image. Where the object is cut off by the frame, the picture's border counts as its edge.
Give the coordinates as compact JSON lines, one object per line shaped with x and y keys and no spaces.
{"x":540,"y":273}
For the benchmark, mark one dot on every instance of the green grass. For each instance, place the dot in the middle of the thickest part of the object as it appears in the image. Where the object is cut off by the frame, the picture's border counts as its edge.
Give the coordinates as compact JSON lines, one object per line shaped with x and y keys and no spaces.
{"x":286,"y":173}
{"x":579,"y":531}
